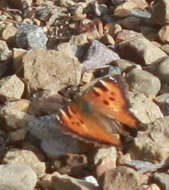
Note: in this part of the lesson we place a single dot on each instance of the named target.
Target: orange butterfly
(86, 117)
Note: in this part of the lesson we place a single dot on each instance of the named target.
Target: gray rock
(162, 179)
(144, 82)
(123, 177)
(162, 70)
(152, 144)
(5, 53)
(144, 109)
(160, 12)
(30, 36)
(140, 50)
(53, 141)
(98, 55)
(26, 157)
(17, 177)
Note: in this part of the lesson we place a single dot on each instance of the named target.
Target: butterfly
(88, 116)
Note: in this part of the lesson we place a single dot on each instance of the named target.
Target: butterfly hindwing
(86, 126)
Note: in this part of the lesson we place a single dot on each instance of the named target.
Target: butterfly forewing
(86, 126)
(108, 97)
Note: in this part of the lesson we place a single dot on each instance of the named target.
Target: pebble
(164, 34)
(17, 177)
(4, 50)
(162, 70)
(30, 36)
(26, 157)
(11, 87)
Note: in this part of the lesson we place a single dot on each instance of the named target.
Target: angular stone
(141, 51)
(50, 70)
(11, 87)
(27, 157)
(144, 109)
(17, 177)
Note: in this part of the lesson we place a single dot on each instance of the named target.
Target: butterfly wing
(86, 126)
(109, 97)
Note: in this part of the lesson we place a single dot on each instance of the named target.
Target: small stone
(144, 82)
(162, 179)
(17, 177)
(163, 101)
(18, 135)
(105, 159)
(124, 9)
(30, 36)
(144, 109)
(160, 12)
(97, 56)
(162, 70)
(57, 181)
(141, 14)
(9, 33)
(91, 179)
(165, 48)
(152, 144)
(141, 51)
(164, 34)
(5, 53)
(27, 157)
(125, 65)
(124, 35)
(100, 9)
(130, 22)
(20, 4)
(16, 116)
(11, 87)
(123, 177)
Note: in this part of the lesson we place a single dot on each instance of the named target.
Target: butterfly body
(89, 115)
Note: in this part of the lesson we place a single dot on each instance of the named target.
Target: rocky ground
(47, 46)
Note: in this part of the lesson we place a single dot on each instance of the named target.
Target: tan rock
(144, 82)
(123, 177)
(105, 159)
(141, 51)
(152, 144)
(17, 58)
(124, 9)
(50, 70)
(164, 34)
(14, 156)
(8, 33)
(11, 87)
(57, 181)
(144, 109)
(16, 115)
